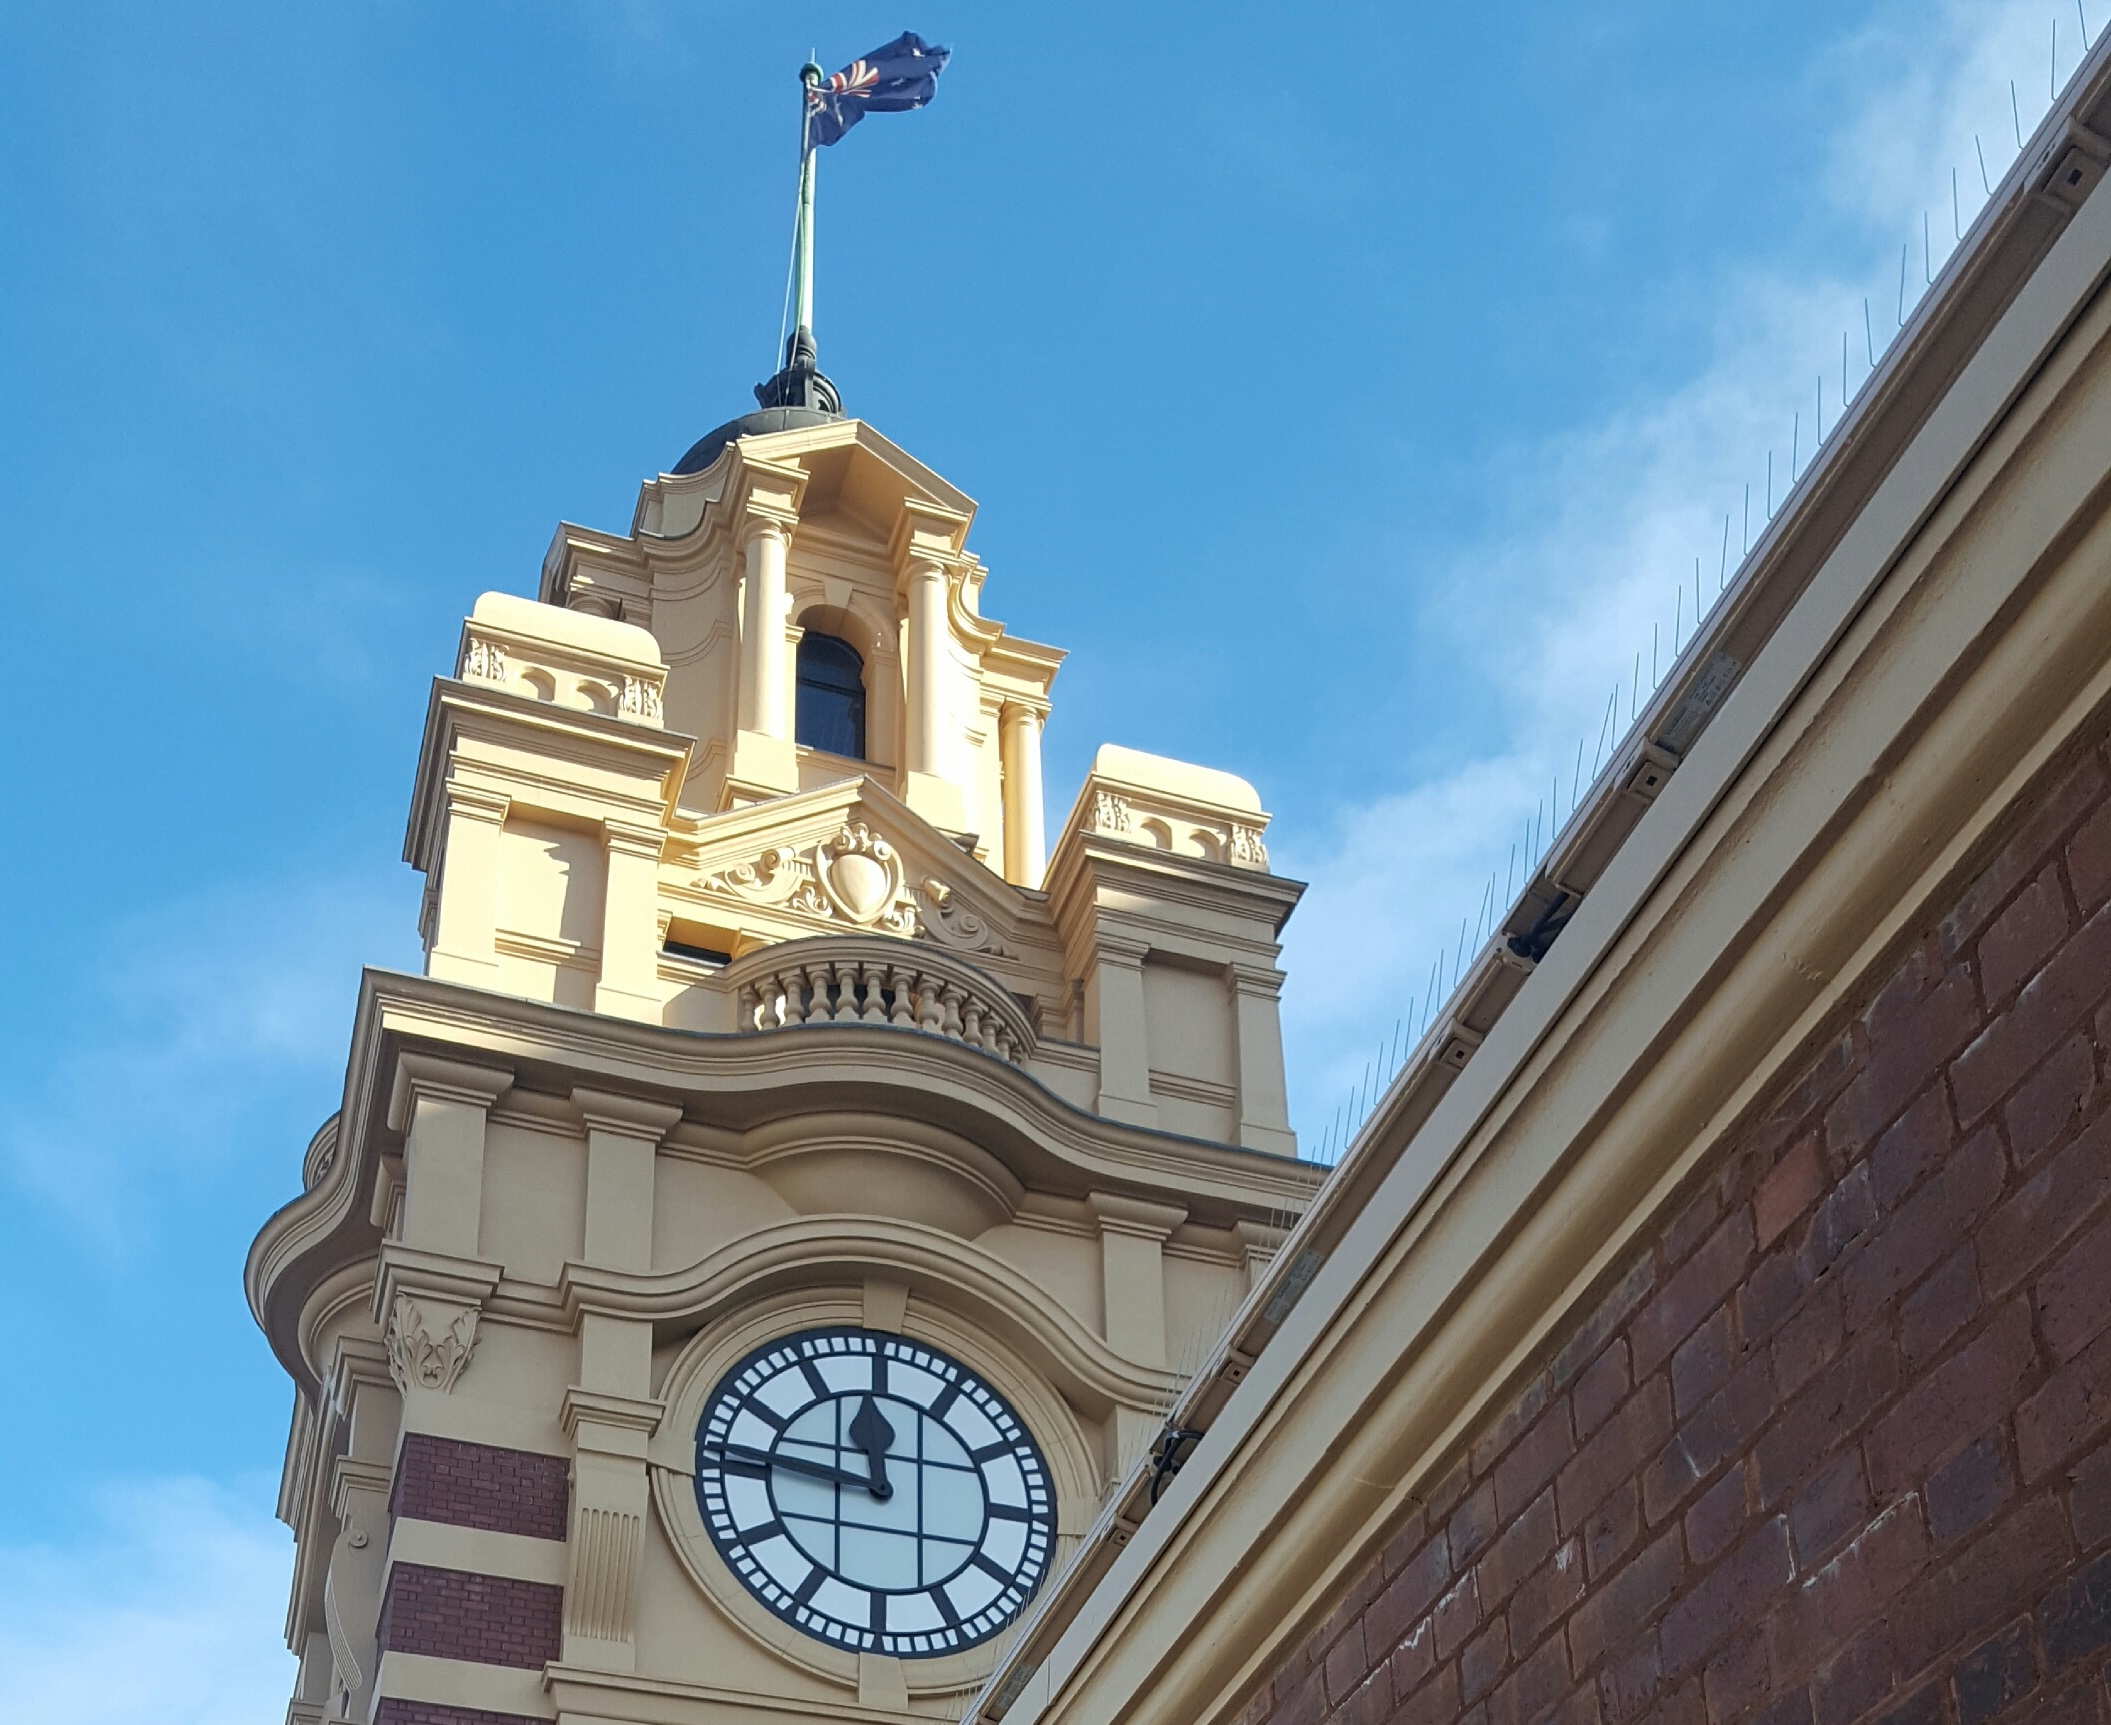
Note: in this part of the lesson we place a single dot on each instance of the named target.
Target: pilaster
(1264, 1095)
(465, 925)
(630, 921)
(1132, 1236)
(1115, 1019)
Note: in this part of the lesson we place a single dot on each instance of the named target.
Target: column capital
(1137, 1217)
(628, 1116)
(1260, 979)
(609, 1424)
(759, 521)
(476, 802)
(422, 1075)
(634, 838)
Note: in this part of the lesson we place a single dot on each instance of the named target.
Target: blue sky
(1350, 389)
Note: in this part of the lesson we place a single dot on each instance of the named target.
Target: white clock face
(874, 1492)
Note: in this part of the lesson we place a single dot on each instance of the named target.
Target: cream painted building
(745, 1259)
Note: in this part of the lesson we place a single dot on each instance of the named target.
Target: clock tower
(786, 1202)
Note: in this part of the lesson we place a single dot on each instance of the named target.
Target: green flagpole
(799, 383)
(803, 242)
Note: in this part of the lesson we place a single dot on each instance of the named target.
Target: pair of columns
(765, 667)
(766, 696)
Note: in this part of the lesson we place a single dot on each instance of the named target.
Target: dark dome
(706, 448)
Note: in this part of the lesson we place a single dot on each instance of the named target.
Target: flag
(889, 80)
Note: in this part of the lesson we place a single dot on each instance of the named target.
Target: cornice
(824, 1251)
(739, 1082)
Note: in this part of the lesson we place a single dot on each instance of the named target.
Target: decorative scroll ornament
(1110, 813)
(948, 921)
(1247, 850)
(417, 1356)
(855, 877)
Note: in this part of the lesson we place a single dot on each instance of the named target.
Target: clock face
(874, 1492)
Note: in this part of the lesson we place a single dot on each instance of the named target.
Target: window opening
(831, 712)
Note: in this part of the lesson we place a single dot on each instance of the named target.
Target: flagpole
(803, 243)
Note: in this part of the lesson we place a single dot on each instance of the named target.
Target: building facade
(747, 1256)
(1713, 1323)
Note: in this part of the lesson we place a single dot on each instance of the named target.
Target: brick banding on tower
(481, 1486)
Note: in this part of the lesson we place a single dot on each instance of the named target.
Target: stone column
(764, 675)
(1264, 1096)
(1025, 817)
(924, 728)
(609, 1413)
(465, 925)
(629, 986)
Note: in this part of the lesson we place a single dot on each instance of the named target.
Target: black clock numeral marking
(870, 1444)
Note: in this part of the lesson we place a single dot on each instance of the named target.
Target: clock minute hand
(872, 1434)
(793, 1464)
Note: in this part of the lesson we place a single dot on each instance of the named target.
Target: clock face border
(829, 1367)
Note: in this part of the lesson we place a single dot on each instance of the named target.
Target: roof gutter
(2029, 213)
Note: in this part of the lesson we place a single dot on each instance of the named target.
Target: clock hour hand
(734, 1452)
(872, 1434)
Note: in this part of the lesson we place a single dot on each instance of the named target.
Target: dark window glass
(831, 696)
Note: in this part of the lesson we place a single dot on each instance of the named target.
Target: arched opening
(831, 713)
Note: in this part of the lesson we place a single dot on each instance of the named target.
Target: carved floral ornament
(417, 1356)
(631, 697)
(857, 878)
(1115, 816)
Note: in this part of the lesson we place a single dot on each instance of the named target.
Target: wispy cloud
(196, 1019)
(166, 1612)
(1593, 578)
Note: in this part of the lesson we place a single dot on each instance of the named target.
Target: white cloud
(1553, 610)
(167, 1613)
(194, 1017)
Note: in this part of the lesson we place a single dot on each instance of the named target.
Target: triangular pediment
(847, 858)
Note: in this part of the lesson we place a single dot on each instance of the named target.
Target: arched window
(831, 696)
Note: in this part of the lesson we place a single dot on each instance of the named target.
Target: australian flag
(889, 80)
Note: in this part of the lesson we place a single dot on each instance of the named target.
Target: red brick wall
(1837, 1446)
(393, 1710)
(480, 1485)
(490, 1619)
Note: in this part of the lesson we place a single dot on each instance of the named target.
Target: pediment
(846, 858)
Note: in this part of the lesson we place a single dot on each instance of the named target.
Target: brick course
(480, 1485)
(488, 1619)
(1835, 1447)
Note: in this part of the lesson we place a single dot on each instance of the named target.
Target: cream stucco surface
(722, 1036)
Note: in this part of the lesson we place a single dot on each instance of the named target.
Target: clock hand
(793, 1464)
(872, 1434)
